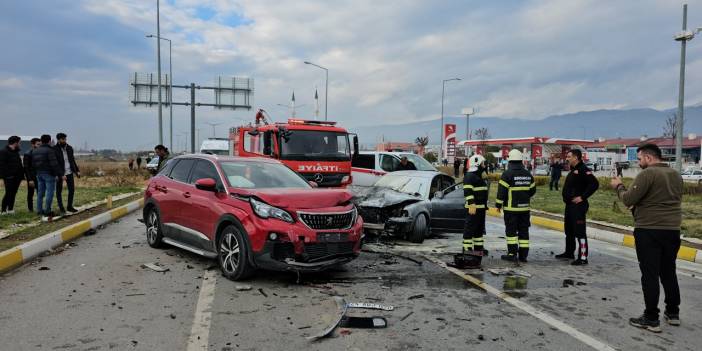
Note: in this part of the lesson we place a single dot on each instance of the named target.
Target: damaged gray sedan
(412, 204)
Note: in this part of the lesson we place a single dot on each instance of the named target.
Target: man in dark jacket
(69, 168)
(456, 166)
(406, 165)
(579, 185)
(556, 169)
(11, 172)
(475, 190)
(30, 175)
(47, 168)
(514, 194)
(163, 157)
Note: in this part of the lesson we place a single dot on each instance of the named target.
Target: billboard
(449, 142)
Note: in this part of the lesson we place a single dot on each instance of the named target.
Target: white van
(368, 166)
(215, 146)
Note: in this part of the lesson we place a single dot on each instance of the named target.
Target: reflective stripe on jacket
(515, 189)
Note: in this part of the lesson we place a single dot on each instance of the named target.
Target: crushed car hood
(381, 197)
(301, 198)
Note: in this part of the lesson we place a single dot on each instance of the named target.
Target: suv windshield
(419, 162)
(253, 175)
(315, 145)
(404, 184)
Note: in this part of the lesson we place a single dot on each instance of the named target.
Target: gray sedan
(411, 204)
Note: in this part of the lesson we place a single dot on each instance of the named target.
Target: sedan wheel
(233, 254)
(420, 229)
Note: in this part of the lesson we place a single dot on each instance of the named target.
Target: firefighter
(579, 185)
(514, 194)
(475, 190)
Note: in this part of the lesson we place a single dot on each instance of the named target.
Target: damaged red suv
(250, 213)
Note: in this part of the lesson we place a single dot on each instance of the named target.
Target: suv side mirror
(439, 194)
(207, 184)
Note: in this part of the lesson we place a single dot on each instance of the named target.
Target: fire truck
(320, 151)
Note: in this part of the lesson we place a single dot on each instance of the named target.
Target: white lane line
(544, 317)
(200, 332)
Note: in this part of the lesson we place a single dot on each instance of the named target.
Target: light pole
(468, 111)
(213, 125)
(291, 107)
(326, 87)
(443, 90)
(683, 37)
(158, 59)
(170, 89)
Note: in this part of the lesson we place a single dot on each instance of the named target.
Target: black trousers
(70, 184)
(575, 226)
(554, 183)
(517, 232)
(474, 229)
(11, 187)
(656, 251)
(30, 194)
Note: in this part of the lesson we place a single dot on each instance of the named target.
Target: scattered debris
(344, 332)
(406, 316)
(44, 268)
(262, 292)
(420, 296)
(580, 283)
(481, 337)
(341, 311)
(394, 254)
(155, 267)
(370, 306)
(140, 294)
(189, 266)
(509, 271)
(364, 322)
(305, 327)
(568, 282)
(173, 316)
(90, 231)
(140, 220)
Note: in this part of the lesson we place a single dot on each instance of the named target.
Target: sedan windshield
(405, 184)
(315, 145)
(253, 175)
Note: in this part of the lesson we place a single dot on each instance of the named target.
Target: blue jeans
(45, 187)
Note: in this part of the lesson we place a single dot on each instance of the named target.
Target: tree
(421, 142)
(670, 129)
(482, 134)
(431, 157)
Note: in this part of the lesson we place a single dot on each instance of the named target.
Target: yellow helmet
(515, 155)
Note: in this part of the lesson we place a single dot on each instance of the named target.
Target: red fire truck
(319, 150)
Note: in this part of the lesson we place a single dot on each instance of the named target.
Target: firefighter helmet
(515, 155)
(475, 161)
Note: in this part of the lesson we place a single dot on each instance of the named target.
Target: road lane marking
(544, 317)
(200, 332)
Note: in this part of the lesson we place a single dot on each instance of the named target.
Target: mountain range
(631, 123)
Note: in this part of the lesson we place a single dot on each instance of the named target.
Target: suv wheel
(419, 229)
(233, 254)
(154, 234)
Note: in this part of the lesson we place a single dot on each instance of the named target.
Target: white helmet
(515, 155)
(474, 162)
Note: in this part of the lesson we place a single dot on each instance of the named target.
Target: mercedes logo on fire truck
(318, 178)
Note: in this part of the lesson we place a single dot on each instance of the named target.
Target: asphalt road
(96, 296)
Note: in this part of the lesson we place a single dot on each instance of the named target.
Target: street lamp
(158, 60)
(443, 90)
(326, 88)
(683, 37)
(468, 111)
(170, 91)
(213, 125)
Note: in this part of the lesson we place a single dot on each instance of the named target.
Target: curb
(24, 253)
(685, 253)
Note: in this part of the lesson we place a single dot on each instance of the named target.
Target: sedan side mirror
(439, 194)
(207, 184)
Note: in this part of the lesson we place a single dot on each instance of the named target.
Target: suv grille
(321, 250)
(321, 221)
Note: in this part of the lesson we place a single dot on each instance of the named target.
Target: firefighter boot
(467, 245)
(512, 248)
(523, 249)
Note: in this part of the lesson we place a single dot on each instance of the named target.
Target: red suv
(250, 213)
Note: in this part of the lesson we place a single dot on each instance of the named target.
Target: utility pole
(158, 59)
(468, 111)
(681, 95)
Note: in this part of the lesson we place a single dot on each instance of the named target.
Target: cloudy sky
(66, 63)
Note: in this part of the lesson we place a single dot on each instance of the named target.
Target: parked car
(369, 166)
(411, 204)
(692, 176)
(153, 164)
(542, 170)
(250, 213)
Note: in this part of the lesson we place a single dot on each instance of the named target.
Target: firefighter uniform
(583, 183)
(514, 194)
(475, 190)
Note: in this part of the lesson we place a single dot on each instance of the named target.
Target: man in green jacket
(655, 200)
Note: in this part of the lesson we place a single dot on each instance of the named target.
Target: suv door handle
(162, 188)
(186, 194)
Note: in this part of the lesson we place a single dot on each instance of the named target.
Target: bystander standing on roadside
(11, 172)
(138, 161)
(163, 156)
(556, 170)
(655, 199)
(456, 166)
(131, 164)
(620, 169)
(30, 175)
(47, 168)
(69, 167)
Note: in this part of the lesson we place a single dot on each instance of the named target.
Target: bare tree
(482, 134)
(421, 142)
(670, 128)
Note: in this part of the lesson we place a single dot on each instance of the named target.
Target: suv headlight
(265, 210)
